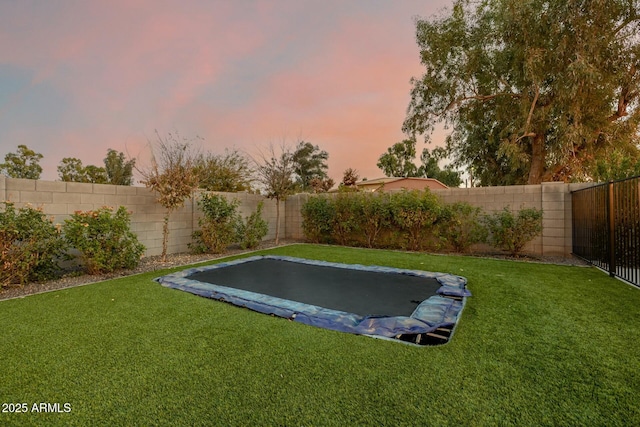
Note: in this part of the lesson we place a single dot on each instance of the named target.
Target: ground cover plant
(251, 230)
(537, 345)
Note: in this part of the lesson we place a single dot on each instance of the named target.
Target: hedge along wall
(61, 199)
(554, 198)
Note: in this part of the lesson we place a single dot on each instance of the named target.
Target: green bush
(344, 224)
(317, 218)
(218, 225)
(252, 230)
(462, 226)
(400, 220)
(373, 215)
(104, 239)
(30, 245)
(414, 215)
(511, 232)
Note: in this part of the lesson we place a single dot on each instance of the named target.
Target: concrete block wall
(60, 200)
(294, 216)
(494, 199)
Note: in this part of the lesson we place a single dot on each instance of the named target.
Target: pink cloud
(237, 74)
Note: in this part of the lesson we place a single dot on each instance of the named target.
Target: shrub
(104, 239)
(414, 214)
(317, 218)
(463, 226)
(373, 216)
(510, 232)
(344, 223)
(217, 225)
(30, 245)
(252, 230)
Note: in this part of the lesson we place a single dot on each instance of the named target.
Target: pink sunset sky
(77, 78)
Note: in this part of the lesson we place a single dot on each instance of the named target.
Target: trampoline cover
(441, 310)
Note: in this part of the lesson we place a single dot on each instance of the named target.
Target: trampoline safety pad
(413, 306)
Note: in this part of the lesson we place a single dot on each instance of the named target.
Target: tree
(25, 163)
(398, 160)
(71, 169)
(533, 90)
(349, 178)
(275, 173)
(617, 165)
(172, 175)
(431, 169)
(118, 170)
(309, 163)
(95, 174)
(320, 185)
(230, 172)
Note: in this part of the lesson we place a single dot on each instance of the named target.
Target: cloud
(90, 76)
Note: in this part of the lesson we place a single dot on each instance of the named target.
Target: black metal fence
(606, 227)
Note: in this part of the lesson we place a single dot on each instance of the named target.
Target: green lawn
(537, 345)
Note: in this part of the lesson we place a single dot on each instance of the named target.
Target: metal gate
(606, 227)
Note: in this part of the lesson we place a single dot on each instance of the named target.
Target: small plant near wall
(104, 239)
(30, 245)
(217, 225)
(462, 226)
(511, 232)
(251, 230)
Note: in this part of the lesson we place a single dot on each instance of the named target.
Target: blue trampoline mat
(411, 305)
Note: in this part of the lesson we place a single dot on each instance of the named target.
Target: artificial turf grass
(537, 344)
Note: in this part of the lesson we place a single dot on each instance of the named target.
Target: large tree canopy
(398, 162)
(309, 163)
(532, 90)
(71, 169)
(118, 170)
(25, 163)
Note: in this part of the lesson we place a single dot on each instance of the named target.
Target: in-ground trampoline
(413, 306)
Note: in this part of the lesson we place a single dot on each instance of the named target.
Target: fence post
(612, 228)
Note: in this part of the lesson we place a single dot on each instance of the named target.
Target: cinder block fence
(61, 199)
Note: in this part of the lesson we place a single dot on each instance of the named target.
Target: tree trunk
(165, 236)
(277, 220)
(538, 154)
